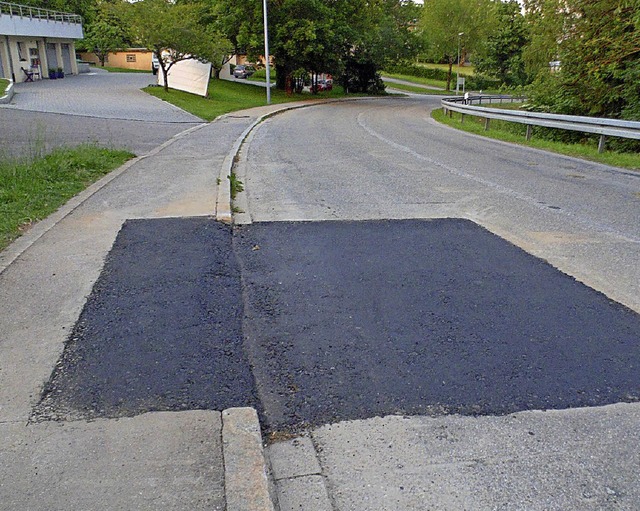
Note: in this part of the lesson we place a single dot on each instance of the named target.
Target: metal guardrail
(596, 125)
(38, 13)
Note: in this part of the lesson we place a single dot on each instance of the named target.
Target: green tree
(104, 34)
(341, 37)
(443, 20)
(174, 33)
(599, 51)
(501, 57)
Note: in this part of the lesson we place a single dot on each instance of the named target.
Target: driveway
(108, 109)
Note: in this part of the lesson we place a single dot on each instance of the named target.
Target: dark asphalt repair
(161, 330)
(342, 320)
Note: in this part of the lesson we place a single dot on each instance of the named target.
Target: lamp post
(458, 73)
(266, 51)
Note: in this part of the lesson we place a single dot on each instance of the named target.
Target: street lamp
(458, 73)
(266, 51)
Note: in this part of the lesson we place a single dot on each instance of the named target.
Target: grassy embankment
(515, 133)
(418, 80)
(30, 190)
(3, 86)
(226, 96)
(121, 69)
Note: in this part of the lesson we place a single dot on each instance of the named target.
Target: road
(416, 353)
(387, 159)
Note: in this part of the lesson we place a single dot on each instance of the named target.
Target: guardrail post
(528, 132)
(486, 124)
(461, 118)
(601, 143)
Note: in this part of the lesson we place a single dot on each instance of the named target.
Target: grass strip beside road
(417, 79)
(510, 132)
(226, 96)
(122, 69)
(417, 89)
(32, 190)
(4, 83)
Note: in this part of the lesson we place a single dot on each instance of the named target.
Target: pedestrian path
(160, 460)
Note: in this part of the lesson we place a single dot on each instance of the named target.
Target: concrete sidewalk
(162, 460)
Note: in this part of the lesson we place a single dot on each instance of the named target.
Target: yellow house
(131, 58)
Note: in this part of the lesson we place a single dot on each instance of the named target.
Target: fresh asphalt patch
(357, 319)
(333, 321)
(161, 330)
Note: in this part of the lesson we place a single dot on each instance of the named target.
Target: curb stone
(246, 484)
(224, 208)
(8, 96)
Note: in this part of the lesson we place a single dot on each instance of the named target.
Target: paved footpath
(108, 109)
(161, 460)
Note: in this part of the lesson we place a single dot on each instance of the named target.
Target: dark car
(243, 71)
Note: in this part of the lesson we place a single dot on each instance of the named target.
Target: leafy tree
(442, 22)
(599, 51)
(501, 56)
(104, 35)
(351, 38)
(174, 33)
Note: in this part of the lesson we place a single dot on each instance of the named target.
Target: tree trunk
(449, 75)
(165, 74)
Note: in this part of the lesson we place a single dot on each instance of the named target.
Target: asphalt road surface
(342, 321)
(381, 159)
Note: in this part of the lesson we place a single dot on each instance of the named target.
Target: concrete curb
(224, 210)
(8, 95)
(246, 484)
(20, 245)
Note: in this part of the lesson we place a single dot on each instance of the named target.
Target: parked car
(243, 71)
(322, 85)
(155, 64)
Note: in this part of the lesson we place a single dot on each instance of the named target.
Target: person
(466, 98)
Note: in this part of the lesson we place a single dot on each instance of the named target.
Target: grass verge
(465, 70)
(30, 191)
(514, 133)
(417, 89)
(417, 79)
(226, 96)
(4, 83)
(122, 69)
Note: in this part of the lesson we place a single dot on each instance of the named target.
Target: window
(21, 52)
(131, 57)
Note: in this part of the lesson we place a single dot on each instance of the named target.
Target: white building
(34, 40)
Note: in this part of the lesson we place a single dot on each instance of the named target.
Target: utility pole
(266, 51)
(458, 73)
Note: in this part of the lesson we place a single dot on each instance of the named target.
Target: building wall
(127, 59)
(39, 54)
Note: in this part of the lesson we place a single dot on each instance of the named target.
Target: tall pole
(266, 51)
(458, 73)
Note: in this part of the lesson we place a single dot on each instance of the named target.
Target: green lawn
(515, 133)
(226, 96)
(467, 70)
(419, 80)
(30, 191)
(3, 86)
(418, 90)
(122, 69)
